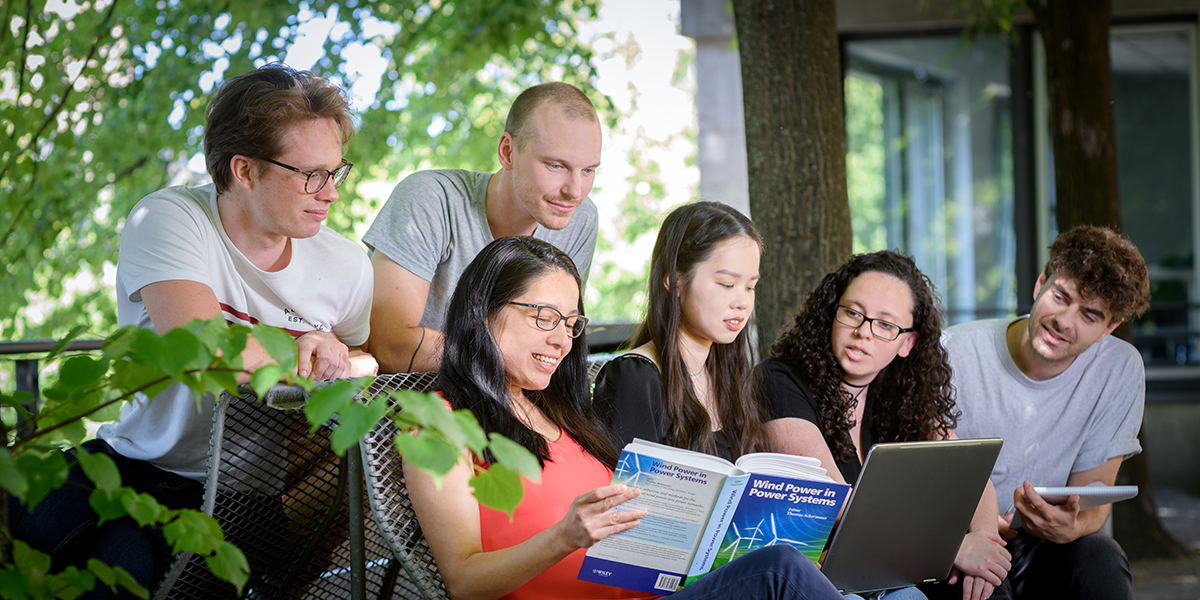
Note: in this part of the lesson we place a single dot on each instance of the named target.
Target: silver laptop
(908, 513)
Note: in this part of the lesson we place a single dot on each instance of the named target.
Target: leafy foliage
(204, 356)
(103, 103)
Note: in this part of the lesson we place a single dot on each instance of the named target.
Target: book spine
(718, 522)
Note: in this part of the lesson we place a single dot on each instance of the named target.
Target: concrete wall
(722, 135)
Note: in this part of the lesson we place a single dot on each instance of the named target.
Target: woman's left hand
(982, 559)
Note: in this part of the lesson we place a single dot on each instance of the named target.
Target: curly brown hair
(912, 397)
(1104, 265)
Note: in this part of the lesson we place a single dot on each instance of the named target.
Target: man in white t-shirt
(435, 222)
(1067, 399)
(251, 247)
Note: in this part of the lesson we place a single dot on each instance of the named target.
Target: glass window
(1154, 113)
(929, 163)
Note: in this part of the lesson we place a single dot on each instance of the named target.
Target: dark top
(629, 399)
(785, 393)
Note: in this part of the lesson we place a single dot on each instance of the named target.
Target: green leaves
(355, 419)
(354, 422)
(229, 564)
(194, 531)
(81, 372)
(138, 363)
(279, 346)
(429, 453)
(43, 472)
(520, 460)
(433, 439)
(498, 487)
(11, 478)
(265, 377)
(142, 507)
(460, 65)
(327, 401)
(29, 577)
(116, 576)
(107, 505)
(100, 468)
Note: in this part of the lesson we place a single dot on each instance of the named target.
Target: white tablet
(1089, 495)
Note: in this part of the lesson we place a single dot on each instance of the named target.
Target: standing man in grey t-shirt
(435, 222)
(1067, 399)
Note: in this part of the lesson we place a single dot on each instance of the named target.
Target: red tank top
(570, 472)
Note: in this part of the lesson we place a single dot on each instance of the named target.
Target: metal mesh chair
(388, 493)
(595, 363)
(280, 496)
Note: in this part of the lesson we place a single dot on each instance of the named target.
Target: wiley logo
(602, 573)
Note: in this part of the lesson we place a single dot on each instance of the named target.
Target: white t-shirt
(1073, 422)
(176, 234)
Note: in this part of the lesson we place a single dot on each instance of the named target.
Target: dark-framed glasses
(548, 317)
(317, 178)
(884, 330)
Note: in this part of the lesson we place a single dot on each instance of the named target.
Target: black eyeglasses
(317, 178)
(884, 330)
(548, 318)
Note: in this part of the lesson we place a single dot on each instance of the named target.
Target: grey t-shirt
(1073, 422)
(435, 223)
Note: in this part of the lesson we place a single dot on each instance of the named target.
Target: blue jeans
(908, 593)
(63, 524)
(776, 572)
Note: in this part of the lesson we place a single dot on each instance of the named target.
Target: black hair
(472, 374)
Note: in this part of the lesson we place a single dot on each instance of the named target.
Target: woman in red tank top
(516, 357)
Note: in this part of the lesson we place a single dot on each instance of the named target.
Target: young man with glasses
(1067, 399)
(435, 222)
(250, 248)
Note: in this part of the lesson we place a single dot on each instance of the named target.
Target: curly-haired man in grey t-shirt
(435, 222)
(1067, 399)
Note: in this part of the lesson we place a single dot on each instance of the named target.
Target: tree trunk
(795, 149)
(1079, 74)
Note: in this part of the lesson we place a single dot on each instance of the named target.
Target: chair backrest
(279, 495)
(388, 493)
(595, 363)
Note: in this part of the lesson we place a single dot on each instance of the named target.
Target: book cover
(701, 518)
(655, 556)
(776, 510)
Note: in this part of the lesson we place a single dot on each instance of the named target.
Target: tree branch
(7, 19)
(39, 433)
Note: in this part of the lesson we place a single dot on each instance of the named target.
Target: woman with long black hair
(515, 356)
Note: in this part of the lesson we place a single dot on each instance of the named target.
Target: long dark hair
(912, 397)
(472, 375)
(686, 239)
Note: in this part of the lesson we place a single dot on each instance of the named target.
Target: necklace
(860, 388)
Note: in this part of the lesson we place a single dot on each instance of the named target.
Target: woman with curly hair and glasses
(863, 363)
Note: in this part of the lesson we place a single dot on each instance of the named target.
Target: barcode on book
(668, 583)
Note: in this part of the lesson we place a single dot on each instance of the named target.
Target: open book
(706, 511)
